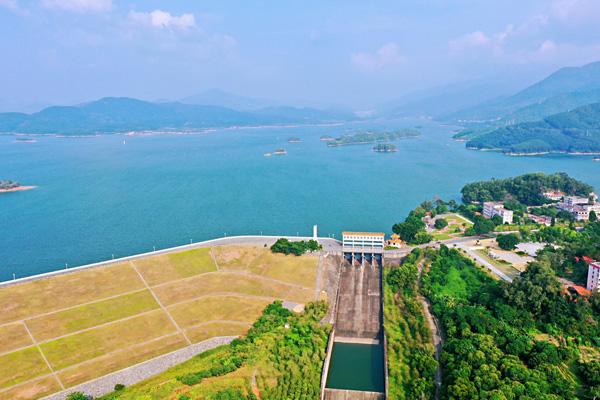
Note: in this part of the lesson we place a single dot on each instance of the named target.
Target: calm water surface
(356, 367)
(98, 197)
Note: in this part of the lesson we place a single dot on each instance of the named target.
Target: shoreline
(17, 189)
(238, 240)
(536, 153)
(166, 131)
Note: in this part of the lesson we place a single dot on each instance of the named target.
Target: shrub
(77, 396)
(508, 242)
(119, 386)
(441, 223)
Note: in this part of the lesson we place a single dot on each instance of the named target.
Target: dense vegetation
(373, 137)
(566, 257)
(297, 248)
(411, 362)
(285, 350)
(527, 189)
(491, 350)
(572, 132)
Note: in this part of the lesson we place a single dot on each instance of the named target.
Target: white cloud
(386, 55)
(547, 47)
(79, 5)
(473, 39)
(163, 19)
(10, 4)
(576, 10)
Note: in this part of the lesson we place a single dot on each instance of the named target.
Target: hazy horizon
(302, 53)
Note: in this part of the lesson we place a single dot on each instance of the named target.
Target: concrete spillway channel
(355, 363)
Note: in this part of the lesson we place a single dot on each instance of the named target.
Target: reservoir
(97, 197)
(356, 367)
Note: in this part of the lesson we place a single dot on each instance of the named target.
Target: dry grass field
(71, 328)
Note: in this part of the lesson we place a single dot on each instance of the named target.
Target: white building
(555, 195)
(363, 241)
(581, 207)
(491, 208)
(593, 280)
(571, 201)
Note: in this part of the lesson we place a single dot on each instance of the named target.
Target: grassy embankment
(92, 322)
(280, 358)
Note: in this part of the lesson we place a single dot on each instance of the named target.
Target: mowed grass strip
(32, 390)
(170, 267)
(215, 308)
(120, 359)
(62, 291)
(13, 336)
(213, 329)
(96, 342)
(236, 257)
(20, 366)
(229, 282)
(297, 270)
(87, 316)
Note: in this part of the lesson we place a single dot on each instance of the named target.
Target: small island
(327, 138)
(369, 137)
(294, 140)
(596, 159)
(385, 148)
(12, 186)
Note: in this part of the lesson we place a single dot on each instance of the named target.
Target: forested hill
(527, 189)
(120, 114)
(571, 132)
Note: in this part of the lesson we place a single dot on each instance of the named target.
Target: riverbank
(532, 153)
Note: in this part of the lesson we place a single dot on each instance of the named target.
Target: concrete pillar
(315, 235)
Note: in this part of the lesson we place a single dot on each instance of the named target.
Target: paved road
(485, 263)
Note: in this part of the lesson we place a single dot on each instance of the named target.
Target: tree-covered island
(369, 137)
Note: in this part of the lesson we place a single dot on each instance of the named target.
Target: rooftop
(363, 234)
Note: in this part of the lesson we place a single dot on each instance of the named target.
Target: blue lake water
(98, 197)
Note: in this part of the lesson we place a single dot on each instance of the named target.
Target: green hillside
(576, 131)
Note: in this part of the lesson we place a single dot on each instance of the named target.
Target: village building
(394, 241)
(540, 219)
(555, 195)
(490, 209)
(593, 278)
(581, 207)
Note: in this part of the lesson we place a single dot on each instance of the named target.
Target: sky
(352, 53)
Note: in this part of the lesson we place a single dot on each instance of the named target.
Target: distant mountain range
(442, 101)
(121, 114)
(564, 90)
(576, 131)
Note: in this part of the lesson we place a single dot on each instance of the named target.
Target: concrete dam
(355, 367)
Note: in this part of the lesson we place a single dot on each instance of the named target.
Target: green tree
(593, 216)
(508, 242)
(440, 223)
(483, 226)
